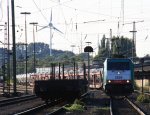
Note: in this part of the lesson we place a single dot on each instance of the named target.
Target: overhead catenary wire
(44, 15)
(1, 8)
(40, 10)
(68, 20)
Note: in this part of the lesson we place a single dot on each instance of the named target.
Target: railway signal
(88, 49)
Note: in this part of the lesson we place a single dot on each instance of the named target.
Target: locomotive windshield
(118, 66)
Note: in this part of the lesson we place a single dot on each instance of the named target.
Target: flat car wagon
(65, 88)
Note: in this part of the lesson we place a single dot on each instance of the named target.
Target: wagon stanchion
(51, 71)
(63, 70)
(54, 71)
(84, 70)
(142, 62)
(74, 64)
(59, 72)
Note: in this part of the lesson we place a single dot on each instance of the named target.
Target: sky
(80, 21)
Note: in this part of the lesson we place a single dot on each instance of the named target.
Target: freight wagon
(64, 88)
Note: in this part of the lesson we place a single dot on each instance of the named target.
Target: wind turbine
(51, 26)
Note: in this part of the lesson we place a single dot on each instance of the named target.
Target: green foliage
(105, 108)
(76, 106)
(119, 46)
(77, 101)
(42, 57)
(103, 42)
(102, 108)
(143, 98)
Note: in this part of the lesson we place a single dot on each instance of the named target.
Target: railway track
(52, 108)
(14, 105)
(14, 100)
(123, 106)
(119, 106)
(144, 106)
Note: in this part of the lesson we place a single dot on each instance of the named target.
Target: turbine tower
(51, 26)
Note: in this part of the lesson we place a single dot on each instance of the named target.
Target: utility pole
(72, 47)
(110, 41)
(82, 42)
(122, 7)
(8, 50)
(14, 46)
(4, 56)
(26, 13)
(134, 40)
(34, 23)
(134, 37)
(5, 52)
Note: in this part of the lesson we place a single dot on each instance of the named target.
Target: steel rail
(135, 107)
(61, 109)
(5, 102)
(37, 108)
(40, 107)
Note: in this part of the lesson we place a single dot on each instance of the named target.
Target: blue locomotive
(118, 76)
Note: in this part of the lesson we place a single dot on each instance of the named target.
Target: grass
(76, 106)
(102, 108)
(143, 98)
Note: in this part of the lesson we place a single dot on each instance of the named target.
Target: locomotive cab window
(118, 66)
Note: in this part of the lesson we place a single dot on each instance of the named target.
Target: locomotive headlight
(109, 81)
(128, 81)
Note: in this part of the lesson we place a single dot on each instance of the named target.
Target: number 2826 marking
(118, 77)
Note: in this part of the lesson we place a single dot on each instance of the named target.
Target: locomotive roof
(117, 59)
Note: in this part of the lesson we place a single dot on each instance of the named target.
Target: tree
(122, 46)
(119, 46)
(41, 49)
(103, 42)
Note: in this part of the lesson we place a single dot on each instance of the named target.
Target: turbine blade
(85, 37)
(40, 26)
(36, 29)
(57, 30)
(43, 28)
(51, 16)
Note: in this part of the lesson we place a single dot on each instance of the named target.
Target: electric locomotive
(118, 76)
